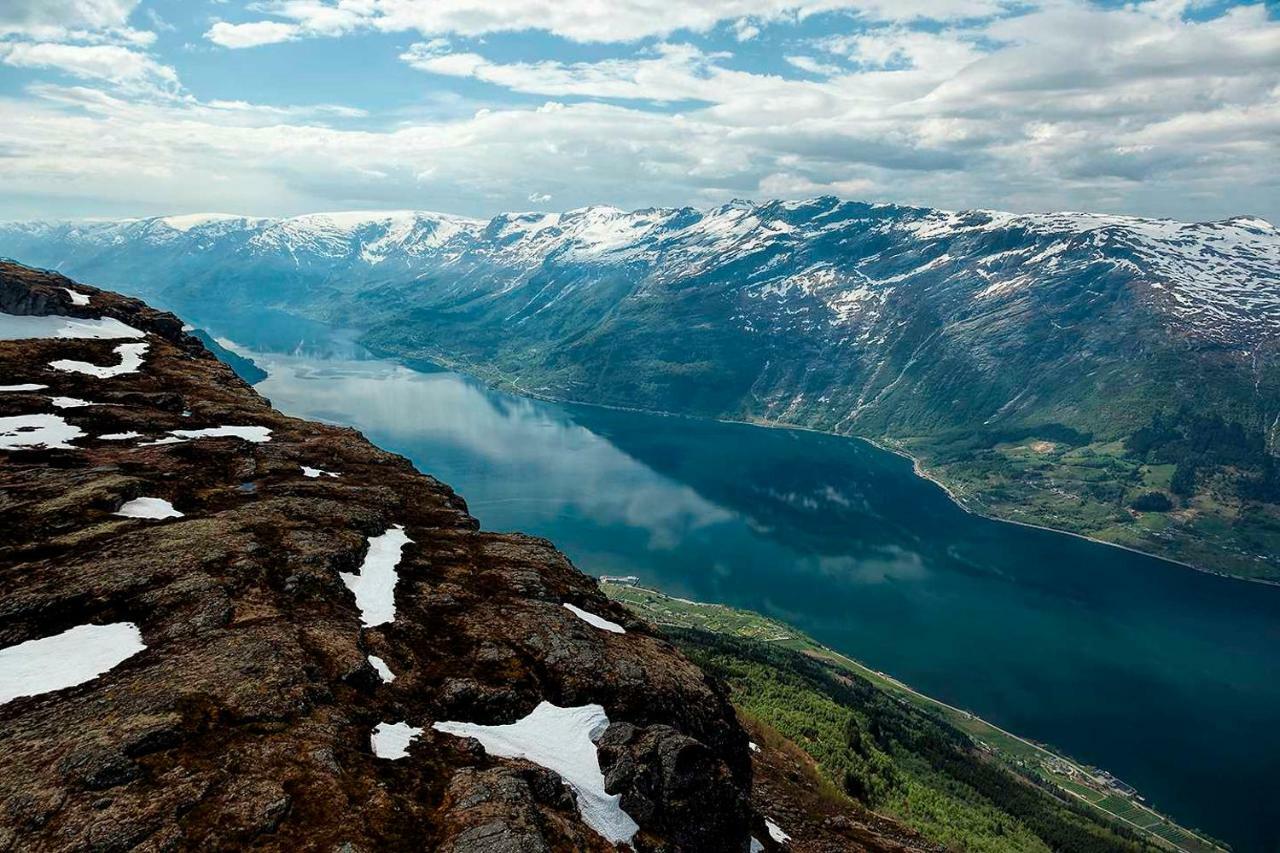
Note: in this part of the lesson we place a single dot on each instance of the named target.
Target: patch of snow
(130, 361)
(375, 585)
(69, 402)
(775, 832)
(120, 436)
(77, 298)
(753, 746)
(17, 327)
(592, 619)
(188, 221)
(148, 508)
(27, 386)
(29, 431)
(756, 846)
(384, 671)
(73, 657)
(308, 471)
(563, 741)
(255, 434)
(391, 740)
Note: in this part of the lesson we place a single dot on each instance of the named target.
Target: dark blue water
(1166, 677)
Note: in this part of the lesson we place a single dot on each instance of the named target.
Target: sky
(112, 108)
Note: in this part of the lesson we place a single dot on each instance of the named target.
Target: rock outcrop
(246, 720)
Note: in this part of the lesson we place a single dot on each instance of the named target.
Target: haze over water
(1167, 677)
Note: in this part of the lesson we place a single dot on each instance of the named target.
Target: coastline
(511, 386)
(803, 642)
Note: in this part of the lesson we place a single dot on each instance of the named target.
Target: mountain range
(1107, 375)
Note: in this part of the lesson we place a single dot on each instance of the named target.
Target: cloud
(112, 63)
(591, 20)
(809, 65)
(251, 35)
(539, 198)
(670, 72)
(1131, 108)
(53, 19)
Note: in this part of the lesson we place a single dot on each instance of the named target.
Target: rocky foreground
(222, 628)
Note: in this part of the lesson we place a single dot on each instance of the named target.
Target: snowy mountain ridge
(1220, 280)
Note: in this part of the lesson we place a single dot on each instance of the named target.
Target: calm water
(1167, 677)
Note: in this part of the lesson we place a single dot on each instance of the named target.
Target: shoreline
(821, 649)
(512, 387)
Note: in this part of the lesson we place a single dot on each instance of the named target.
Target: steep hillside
(225, 628)
(950, 775)
(1111, 376)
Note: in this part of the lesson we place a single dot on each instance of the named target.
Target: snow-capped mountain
(1110, 343)
(828, 262)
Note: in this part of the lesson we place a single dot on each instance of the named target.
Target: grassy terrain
(1092, 488)
(946, 773)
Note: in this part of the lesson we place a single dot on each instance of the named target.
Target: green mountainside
(1109, 376)
(940, 770)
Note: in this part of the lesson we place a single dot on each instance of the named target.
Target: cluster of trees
(1194, 441)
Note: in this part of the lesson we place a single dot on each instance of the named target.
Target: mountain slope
(225, 628)
(1111, 376)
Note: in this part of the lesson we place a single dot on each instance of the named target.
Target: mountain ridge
(1047, 368)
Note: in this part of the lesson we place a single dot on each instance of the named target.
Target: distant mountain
(1108, 375)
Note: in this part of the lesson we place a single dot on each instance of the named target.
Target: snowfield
(391, 740)
(375, 585)
(384, 671)
(592, 619)
(34, 431)
(563, 741)
(64, 660)
(130, 360)
(148, 508)
(16, 327)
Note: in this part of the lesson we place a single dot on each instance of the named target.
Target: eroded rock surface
(246, 720)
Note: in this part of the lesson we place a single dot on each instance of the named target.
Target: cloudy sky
(139, 107)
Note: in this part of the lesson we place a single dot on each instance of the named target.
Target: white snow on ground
(375, 586)
(775, 832)
(148, 508)
(69, 402)
(120, 436)
(592, 619)
(563, 741)
(753, 746)
(36, 431)
(255, 434)
(28, 386)
(308, 471)
(756, 846)
(130, 361)
(15, 327)
(384, 671)
(64, 660)
(391, 740)
(76, 297)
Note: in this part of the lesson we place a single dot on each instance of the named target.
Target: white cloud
(112, 63)
(53, 19)
(591, 20)
(251, 35)
(672, 72)
(1128, 108)
(539, 198)
(812, 66)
